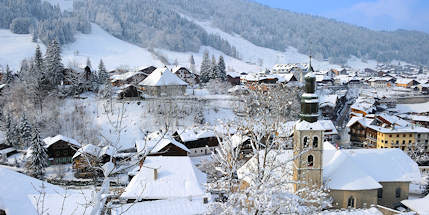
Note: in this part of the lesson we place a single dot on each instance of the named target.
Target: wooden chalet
(233, 78)
(128, 91)
(169, 147)
(186, 75)
(60, 149)
(198, 141)
(84, 161)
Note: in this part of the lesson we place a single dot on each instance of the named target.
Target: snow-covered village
(188, 107)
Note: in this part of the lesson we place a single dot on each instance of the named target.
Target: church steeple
(309, 100)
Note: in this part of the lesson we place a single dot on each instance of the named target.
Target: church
(355, 178)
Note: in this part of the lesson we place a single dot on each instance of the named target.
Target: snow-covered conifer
(222, 68)
(54, 66)
(103, 76)
(38, 158)
(25, 132)
(205, 68)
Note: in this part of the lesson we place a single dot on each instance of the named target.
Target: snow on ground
(15, 47)
(99, 44)
(64, 4)
(357, 63)
(230, 62)
(370, 211)
(413, 108)
(137, 119)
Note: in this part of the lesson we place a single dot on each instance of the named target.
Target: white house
(162, 82)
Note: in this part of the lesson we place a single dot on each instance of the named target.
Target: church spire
(309, 100)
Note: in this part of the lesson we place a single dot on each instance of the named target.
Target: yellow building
(404, 138)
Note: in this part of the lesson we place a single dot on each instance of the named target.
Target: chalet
(90, 156)
(128, 78)
(186, 75)
(164, 177)
(258, 79)
(198, 141)
(60, 149)
(162, 82)
(156, 144)
(363, 106)
(147, 70)
(127, 91)
(233, 78)
(286, 78)
(360, 132)
(423, 88)
(381, 82)
(406, 83)
(420, 120)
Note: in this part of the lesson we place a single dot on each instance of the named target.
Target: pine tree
(192, 63)
(214, 70)
(205, 68)
(38, 61)
(9, 76)
(25, 132)
(103, 76)
(54, 66)
(11, 132)
(222, 69)
(38, 159)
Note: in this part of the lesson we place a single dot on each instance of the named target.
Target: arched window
(310, 160)
(398, 192)
(315, 142)
(305, 141)
(351, 202)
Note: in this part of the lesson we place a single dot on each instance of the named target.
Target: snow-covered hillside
(15, 47)
(252, 53)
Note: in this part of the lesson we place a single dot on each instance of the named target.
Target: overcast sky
(374, 14)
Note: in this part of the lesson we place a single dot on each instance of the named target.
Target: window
(310, 160)
(403, 142)
(398, 192)
(305, 142)
(397, 142)
(390, 135)
(397, 135)
(418, 135)
(411, 135)
(404, 135)
(315, 142)
(380, 193)
(351, 202)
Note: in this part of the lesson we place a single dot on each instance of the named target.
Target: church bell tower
(308, 138)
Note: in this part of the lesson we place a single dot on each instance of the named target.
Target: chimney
(155, 174)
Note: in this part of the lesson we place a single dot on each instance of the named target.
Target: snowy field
(16, 47)
(137, 120)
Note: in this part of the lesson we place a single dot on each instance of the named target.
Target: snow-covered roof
(51, 140)
(357, 169)
(2, 85)
(394, 119)
(342, 173)
(403, 81)
(328, 100)
(162, 77)
(362, 120)
(177, 68)
(328, 127)
(420, 118)
(165, 141)
(96, 151)
(176, 178)
(386, 165)
(125, 76)
(321, 125)
(195, 133)
(19, 190)
(284, 77)
(181, 206)
(421, 206)
(304, 125)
